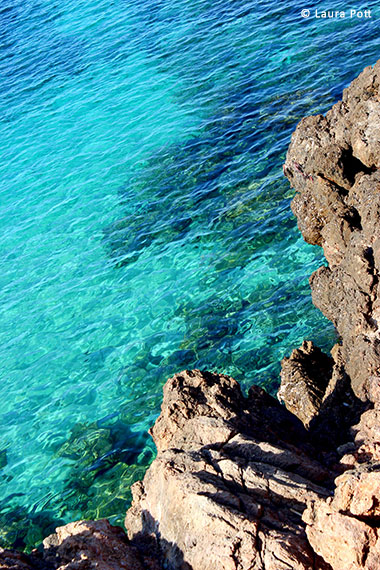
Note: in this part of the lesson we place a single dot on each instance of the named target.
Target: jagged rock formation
(82, 545)
(305, 377)
(230, 481)
(244, 483)
(316, 388)
(332, 163)
(220, 484)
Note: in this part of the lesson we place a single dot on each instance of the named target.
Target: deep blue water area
(145, 225)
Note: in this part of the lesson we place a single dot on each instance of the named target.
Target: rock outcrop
(304, 380)
(332, 163)
(82, 545)
(230, 482)
(239, 478)
(243, 482)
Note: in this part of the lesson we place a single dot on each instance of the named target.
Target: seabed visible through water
(145, 225)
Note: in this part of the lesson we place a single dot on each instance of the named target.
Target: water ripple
(145, 225)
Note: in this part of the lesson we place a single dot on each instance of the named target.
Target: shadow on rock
(167, 553)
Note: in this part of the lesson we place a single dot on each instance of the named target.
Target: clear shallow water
(145, 225)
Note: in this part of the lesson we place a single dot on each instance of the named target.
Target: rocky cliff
(333, 164)
(246, 483)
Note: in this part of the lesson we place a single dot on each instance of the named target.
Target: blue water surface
(145, 225)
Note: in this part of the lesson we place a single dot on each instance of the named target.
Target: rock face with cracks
(230, 482)
(245, 483)
(333, 164)
(239, 478)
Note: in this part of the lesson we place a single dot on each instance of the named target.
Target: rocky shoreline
(245, 483)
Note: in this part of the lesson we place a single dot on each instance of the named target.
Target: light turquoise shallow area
(145, 225)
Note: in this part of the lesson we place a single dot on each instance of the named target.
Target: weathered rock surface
(82, 545)
(332, 163)
(305, 377)
(316, 388)
(230, 482)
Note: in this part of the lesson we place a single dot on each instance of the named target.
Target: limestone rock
(342, 540)
(332, 163)
(216, 488)
(304, 379)
(83, 545)
(344, 528)
(316, 388)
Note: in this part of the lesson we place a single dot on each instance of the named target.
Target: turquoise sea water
(145, 225)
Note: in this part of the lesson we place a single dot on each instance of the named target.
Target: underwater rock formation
(242, 482)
